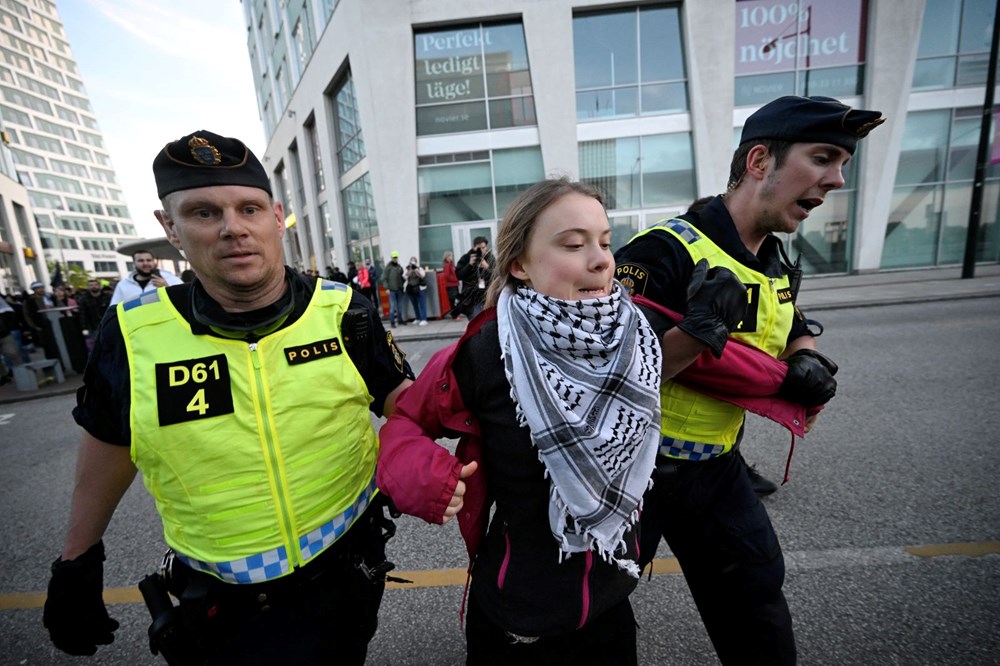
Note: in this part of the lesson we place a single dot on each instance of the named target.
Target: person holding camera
(416, 285)
(474, 270)
(145, 278)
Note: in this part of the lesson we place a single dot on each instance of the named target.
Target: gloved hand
(810, 379)
(717, 302)
(74, 611)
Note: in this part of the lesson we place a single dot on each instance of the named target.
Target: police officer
(243, 398)
(791, 156)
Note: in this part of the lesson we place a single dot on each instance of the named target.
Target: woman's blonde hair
(518, 223)
(446, 256)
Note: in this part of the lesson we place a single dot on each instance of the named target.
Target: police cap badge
(205, 159)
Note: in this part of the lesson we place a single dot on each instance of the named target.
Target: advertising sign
(782, 35)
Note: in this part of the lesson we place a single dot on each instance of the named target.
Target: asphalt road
(890, 524)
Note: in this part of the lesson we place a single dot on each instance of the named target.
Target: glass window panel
(458, 193)
(921, 159)
(434, 242)
(762, 88)
(661, 54)
(963, 148)
(988, 243)
(604, 49)
(835, 81)
(514, 112)
(623, 228)
(613, 103)
(977, 25)
(458, 78)
(506, 59)
(912, 231)
(464, 117)
(614, 167)
(823, 238)
(667, 170)
(939, 30)
(972, 70)
(514, 171)
(664, 97)
(954, 222)
(934, 73)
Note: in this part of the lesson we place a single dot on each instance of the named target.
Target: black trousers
(723, 539)
(324, 613)
(605, 640)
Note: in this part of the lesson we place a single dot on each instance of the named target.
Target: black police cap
(205, 159)
(811, 120)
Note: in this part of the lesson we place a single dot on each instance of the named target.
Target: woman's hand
(457, 499)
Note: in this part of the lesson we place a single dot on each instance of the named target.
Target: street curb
(898, 300)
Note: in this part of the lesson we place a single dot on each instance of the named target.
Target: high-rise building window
(350, 141)
(360, 219)
(317, 157)
(467, 188)
(930, 205)
(798, 47)
(629, 63)
(648, 172)
(954, 44)
(473, 78)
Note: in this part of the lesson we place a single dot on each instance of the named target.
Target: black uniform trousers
(724, 542)
(605, 640)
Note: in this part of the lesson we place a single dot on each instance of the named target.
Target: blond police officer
(243, 400)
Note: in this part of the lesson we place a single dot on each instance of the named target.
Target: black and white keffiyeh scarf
(585, 380)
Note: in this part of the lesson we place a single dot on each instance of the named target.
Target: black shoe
(761, 486)
(7, 379)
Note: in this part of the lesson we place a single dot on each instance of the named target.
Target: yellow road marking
(456, 577)
(975, 549)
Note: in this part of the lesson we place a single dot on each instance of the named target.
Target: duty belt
(275, 562)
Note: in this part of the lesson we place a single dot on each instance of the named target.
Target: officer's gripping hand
(717, 302)
(74, 611)
(810, 379)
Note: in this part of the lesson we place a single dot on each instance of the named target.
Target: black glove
(810, 379)
(74, 611)
(717, 303)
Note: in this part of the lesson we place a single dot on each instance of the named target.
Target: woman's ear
(518, 271)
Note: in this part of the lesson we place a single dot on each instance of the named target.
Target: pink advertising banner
(781, 35)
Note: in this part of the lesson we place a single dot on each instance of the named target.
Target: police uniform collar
(715, 222)
(208, 316)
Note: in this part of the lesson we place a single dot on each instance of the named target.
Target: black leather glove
(717, 303)
(810, 379)
(74, 611)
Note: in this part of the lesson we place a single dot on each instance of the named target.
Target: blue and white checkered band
(680, 448)
(684, 230)
(330, 284)
(275, 563)
(149, 297)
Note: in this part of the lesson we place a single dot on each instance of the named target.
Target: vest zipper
(772, 314)
(294, 556)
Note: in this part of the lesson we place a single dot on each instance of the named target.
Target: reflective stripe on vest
(695, 426)
(248, 449)
(275, 563)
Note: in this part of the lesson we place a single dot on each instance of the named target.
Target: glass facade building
(423, 127)
(56, 145)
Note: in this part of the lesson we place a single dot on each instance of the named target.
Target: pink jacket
(419, 475)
